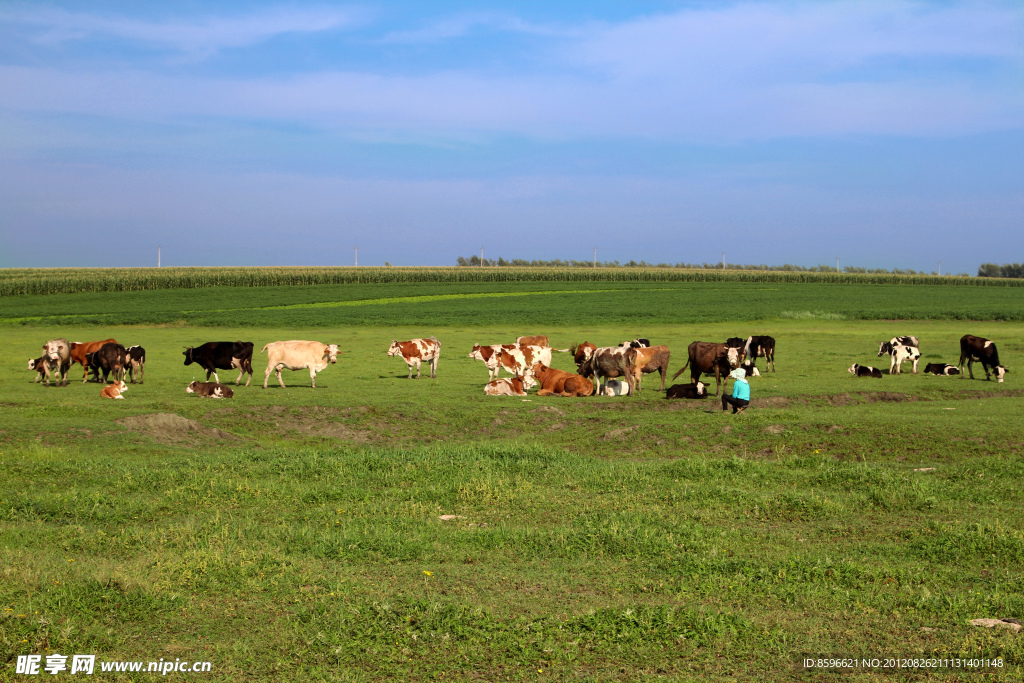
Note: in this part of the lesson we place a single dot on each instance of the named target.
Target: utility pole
(723, 260)
(837, 264)
(940, 267)
(357, 255)
(595, 257)
(158, 256)
(481, 257)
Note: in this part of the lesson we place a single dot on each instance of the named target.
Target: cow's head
(884, 348)
(478, 353)
(120, 386)
(733, 355)
(332, 353)
(191, 388)
(528, 380)
(1000, 372)
(32, 363)
(581, 353)
(702, 389)
(188, 355)
(395, 348)
(54, 349)
(853, 369)
(751, 370)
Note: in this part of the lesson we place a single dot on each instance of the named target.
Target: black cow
(735, 342)
(760, 347)
(111, 357)
(711, 358)
(692, 390)
(980, 349)
(213, 356)
(865, 371)
(941, 369)
(135, 362)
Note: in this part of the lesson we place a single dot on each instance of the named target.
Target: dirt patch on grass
(771, 402)
(774, 429)
(619, 433)
(889, 397)
(171, 427)
(332, 430)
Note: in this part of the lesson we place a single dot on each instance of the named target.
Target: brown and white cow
(515, 359)
(510, 386)
(652, 359)
(57, 353)
(607, 362)
(39, 365)
(298, 355)
(80, 352)
(559, 382)
(710, 358)
(114, 390)
(416, 351)
(980, 349)
(210, 390)
(539, 340)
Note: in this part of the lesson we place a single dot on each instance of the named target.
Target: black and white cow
(899, 354)
(135, 362)
(213, 356)
(908, 340)
(694, 390)
(941, 369)
(864, 371)
(980, 349)
(640, 343)
(761, 346)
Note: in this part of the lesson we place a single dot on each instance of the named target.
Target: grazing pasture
(293, 534)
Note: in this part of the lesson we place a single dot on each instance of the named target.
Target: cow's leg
(916, 360)
(266, 375)
(216, 378)
(970, 367)
(312, 376)
(279, 380)
(433, 368)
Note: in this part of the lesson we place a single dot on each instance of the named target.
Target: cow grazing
(710, 358)
(608, 362)
(210, 390)
(213, 356)
(114, 390)
(57, 354)
(81, 350)
(298, 355)
(538, 340)
(109, 358)
(614, 387)
(510, 386)
(980, 349)
(135, 362)
(559, 382)
(415, 351)
(640, 343)
(761, 346)
(864, 371)
(898, 354)
(692, 390)
(941, 369)
(40, 366)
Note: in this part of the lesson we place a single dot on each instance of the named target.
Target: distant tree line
(1005, 270)
(571, 263)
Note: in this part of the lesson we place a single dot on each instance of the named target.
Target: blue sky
(886, 133)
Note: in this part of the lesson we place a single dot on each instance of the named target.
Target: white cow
(298, 355)
(57, 353)
(900, 353)
(614, 387)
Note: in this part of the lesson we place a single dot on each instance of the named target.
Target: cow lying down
(210, 390)
(691, 390)
(114, 390)
(865, 371)
(560, 383)
(942, 369)
(510, 386)
(614, 387)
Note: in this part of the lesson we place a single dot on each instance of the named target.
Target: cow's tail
(681, 369)
(264, 349)
(561, 350)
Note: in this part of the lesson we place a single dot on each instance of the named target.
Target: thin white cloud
(198, 37)
(464, 25)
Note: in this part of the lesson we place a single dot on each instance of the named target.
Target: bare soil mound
(171, 427)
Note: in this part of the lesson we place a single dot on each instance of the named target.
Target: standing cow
(108, 358)
(415, 351)
(710, 358)
(760, 346)
(980, 349)
(213, 356)
(608, 362)
(135, 362)
(298, 355)
(57, 353)
(80, 354)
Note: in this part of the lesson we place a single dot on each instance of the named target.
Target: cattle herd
(605, 371)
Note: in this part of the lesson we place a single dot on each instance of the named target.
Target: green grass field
(295, 534)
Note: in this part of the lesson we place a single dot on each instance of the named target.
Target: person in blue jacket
(740, 398)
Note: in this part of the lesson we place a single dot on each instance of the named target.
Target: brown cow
(652, 359)
(79, 351)
(710, 357)
(539, 340)
(560, 383)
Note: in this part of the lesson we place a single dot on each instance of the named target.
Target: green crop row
(72, 280)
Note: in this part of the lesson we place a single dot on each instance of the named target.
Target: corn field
(20, 281)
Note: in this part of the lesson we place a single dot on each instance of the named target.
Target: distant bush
(1006, 270)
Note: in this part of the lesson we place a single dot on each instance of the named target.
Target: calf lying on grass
(510, 386)
(691, 390)
(114, 390)
(210, 390)
(942, 369)
(865, 371)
